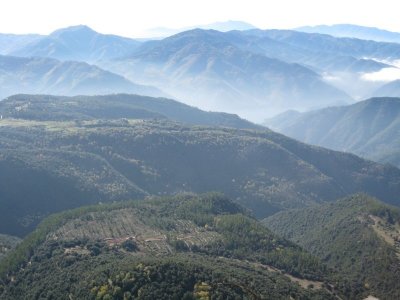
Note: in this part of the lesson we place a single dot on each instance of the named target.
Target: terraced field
(118, 226)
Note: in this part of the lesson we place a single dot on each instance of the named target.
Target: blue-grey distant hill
(162, 32)
(255, 72)
(319, 50)
(76, 43)
(369, 128)
(354, 31)
(251, 72)
(12, 42)
(45, 75)
(390, 89)
(215, 70)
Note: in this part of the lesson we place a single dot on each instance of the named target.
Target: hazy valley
(153, 168)
(254, 73)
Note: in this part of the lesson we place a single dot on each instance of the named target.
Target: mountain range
(368, 128)
(256, 72)
(206, 68)
(354, 31)
(78, 43)
(251, 72)
(162, 32)
(109, 189)
(48, 166)
(44, 75)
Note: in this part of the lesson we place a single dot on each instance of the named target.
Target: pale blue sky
(132, 17)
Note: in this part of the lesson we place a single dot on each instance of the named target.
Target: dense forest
(132, 169)
(138, 162)
(185, 247)
(358, 236)
(7, 244)
(117, 106)
(48, 166)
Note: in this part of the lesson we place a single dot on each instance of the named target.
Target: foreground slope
(186, 247)
(368, 128)
(359, 236)
(106, 160)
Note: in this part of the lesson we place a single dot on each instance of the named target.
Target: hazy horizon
(129, 19)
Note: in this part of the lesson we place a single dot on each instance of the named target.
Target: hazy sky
(131, 17)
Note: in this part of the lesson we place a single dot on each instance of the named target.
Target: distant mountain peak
(222, 26)
(73, 29)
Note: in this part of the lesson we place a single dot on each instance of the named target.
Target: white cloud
(385, 75)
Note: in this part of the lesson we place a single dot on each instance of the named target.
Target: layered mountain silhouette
(322, 53)
(342, 46)
(354, 31)
(251, 72)
(80, 125)
(44, 75)
(204, 68)
(13, 42)
(368, 128)
(162, 32)
(79, 43)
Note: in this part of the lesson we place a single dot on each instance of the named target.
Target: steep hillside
(369, 128)
(106, 160)
(44, 75)
(207, 69)
(79, 43)
(117, 106)
(7, 244)
(358, 236)
(184, 247)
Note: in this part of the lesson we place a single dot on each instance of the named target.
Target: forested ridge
(358, 236)
(50, 166)
(177, 247)
(62, 153)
